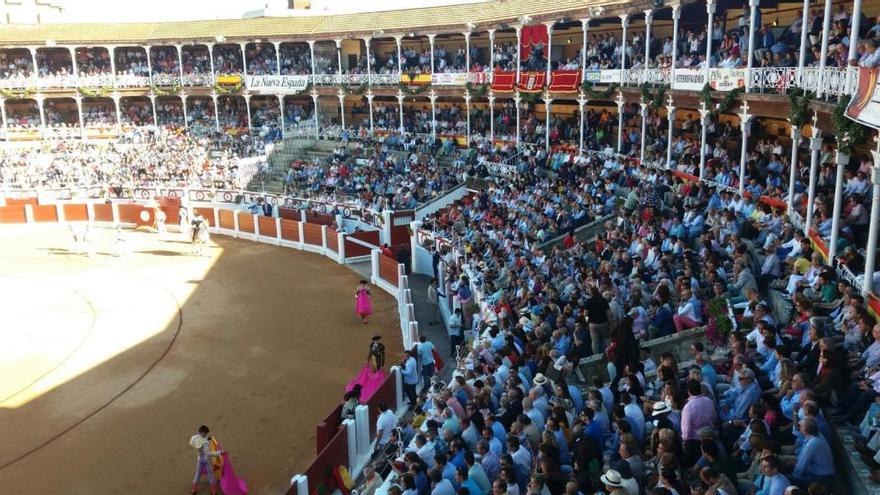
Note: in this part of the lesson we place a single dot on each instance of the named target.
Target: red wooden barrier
(208, 213)
(12, 214)
(333, 455)
(388, 269)
(312, 233)
(332, 240)
(45, 213)
(353, 249)
(290, 230)
(327, 428)
(103, 212)
(289, 214)
(320, 218)
(129, 213)
(267, 227)
(227, 219)
(246, 223)
(75, 212)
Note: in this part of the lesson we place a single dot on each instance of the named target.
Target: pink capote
(363, 306)
(229, 483)
(369, 381)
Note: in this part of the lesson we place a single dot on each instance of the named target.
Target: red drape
(532, 35)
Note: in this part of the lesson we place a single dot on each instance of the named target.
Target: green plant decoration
(849, 132)
(477, 90)
(590, 93)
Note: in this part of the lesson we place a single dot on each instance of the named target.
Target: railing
(96, 81)
(17, 82)
(132, 81)
(374, 79)
(197, 79)
(65, 81)
(166, 79)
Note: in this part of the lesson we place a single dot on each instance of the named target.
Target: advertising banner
(449, 79)
(689, 79)
(272, 84)
(727, 79)
(609, 76)
(864, 107)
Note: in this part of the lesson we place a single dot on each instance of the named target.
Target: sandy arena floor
(108, 365)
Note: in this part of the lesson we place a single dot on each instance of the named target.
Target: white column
(676, 15)
(400, 105)
(3, 115)
(823, 59)
(244, 58)
(398, 39)
(805, 18)
(491, 118)
(855, 20)
(516, 101)
(370, 103)
(281, 108)
(36, 71)
(79, 110)
(433, 98)
(710, 12)
(582, 103)
(670, 117)
(648, 19)
(180, 60)
(644, 114)
(547, 102)
(149, 62)
(111, 50)
(467, 107)
(624, 22)
(815, 148)
(369, 63)
(518, 58)
(491, 50)
(745, 123)
(753, 6)
(620, 104)
(341, 97)
(247, 104)
(431, 43)
(185, 118)
(585, 25)
(467, 51)
(312, 55)
(216, 110)
(40, 104)
(704, 123)
(277, 45)
(213, 71)
(792, 176)
(874, 222)
(842, 161)
(549, 25)
(155, 116)
(115, 98)
(338, 60)
(72, 50)
(315, 103)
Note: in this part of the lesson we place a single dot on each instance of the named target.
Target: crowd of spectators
(142, 157)
(261, 59)
(296, 59)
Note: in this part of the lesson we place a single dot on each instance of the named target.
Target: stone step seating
(678, 344)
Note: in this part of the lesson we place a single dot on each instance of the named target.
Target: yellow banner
(230, 80)
(418, 79)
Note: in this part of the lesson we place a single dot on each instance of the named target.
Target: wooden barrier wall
(129, 213)
(208, 213)
(327, 429)
(332, 240)
(267, 227)
(388, 269)
(45, 213)
(353, 249)
(246, 223)
(386, 394)
(290, 230)
(12, 214)
(312, 233)
(289, 214)
(75, 212)
(319, 218)
(103, 212)
(334, 454)
(227, 219)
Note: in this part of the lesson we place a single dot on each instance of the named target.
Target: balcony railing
(829, 82)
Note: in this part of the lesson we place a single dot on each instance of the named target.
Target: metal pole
(871, 254)
(753, 5)
(815, 147)
(792, 176)
(823, 59)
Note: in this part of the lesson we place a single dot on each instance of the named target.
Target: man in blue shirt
(410, 373)
(815, 463)
(426, 358)
(461, 477)
(749, 395)
(773, 482)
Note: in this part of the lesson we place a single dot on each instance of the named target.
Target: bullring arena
(110, 360)
(440, 247)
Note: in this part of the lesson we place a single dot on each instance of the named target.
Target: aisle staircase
(285, 153)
